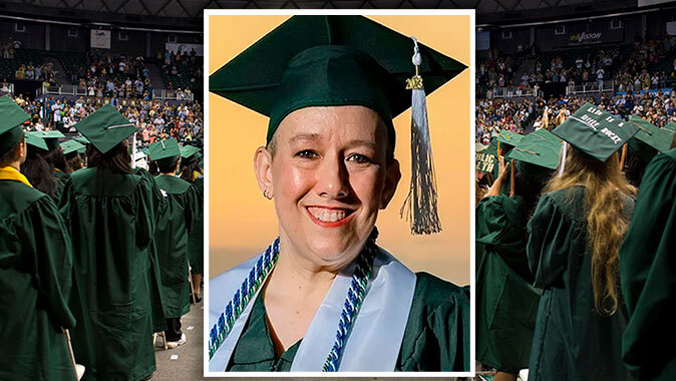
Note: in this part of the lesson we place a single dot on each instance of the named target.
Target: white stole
(375, 340)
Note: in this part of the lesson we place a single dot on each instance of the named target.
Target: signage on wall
(100, 39)
(584, 38)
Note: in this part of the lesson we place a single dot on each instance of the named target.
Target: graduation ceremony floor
(185, 362)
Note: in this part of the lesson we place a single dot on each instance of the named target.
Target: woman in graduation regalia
(111, 212)
(575, 236)
(506, 301)
(36, 268)
(171, 237)
(36, 169)
(648, 273)
(324, 296)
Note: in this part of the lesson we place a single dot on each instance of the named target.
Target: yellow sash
(10, 173)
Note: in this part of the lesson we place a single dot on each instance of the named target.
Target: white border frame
(472, 170)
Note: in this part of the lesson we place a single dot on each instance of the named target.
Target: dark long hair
(188, 169)
(118, 158)
(38, 172)
(57, 160)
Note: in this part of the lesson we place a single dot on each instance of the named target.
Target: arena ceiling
(190, 11)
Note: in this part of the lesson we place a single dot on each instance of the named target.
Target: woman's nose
(332, 178)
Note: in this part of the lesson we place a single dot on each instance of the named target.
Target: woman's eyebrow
(301, 137)
(361, 142)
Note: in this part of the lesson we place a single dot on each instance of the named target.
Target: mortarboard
(595, 132)
(671, 126)
(190, 153)
(51, 138)
(11, 130)
(508, 138)
(345, 60)
(81, 140)
(164, 152)
(72, 147)
(34, 138)
(540, 148)
(105, 128)
(649, 140)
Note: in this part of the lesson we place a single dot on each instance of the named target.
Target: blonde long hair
(605, 189)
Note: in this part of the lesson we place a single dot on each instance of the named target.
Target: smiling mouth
(329, 217)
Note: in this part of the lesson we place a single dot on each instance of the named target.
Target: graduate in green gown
(36, 268)
(73, 152)
(56, 159)
(192, 173)
(575, 236)
(171, 237)
(506, 302)
(111, 211)
(36, 169)
(324, 296)
(648, 274)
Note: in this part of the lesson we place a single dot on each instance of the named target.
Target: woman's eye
(307, 154)
(359, 159)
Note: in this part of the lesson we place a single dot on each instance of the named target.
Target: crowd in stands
(639, 76)
(181, 72)
(155, 120)
(112, 75)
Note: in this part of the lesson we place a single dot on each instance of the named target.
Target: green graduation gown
(648, 275)
(112, 219)
(436, 337)
(36, 270)
(196, 236)
(171, 242)
(506, 303)
(571, 340)
(61, 179)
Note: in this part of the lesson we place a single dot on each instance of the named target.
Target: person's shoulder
(20, 195)
(433, 293)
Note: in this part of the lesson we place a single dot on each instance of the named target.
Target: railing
(510, 92)
(65, 90)
(172, 95)
(76, 91)
(591, 87)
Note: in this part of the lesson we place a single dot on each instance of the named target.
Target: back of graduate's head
(168, 165)
(606, 190)
(56, 159)
(75, 162)
(38, 172)
(15, 154)
(117, 159)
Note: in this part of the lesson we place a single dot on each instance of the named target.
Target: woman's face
(329, 174)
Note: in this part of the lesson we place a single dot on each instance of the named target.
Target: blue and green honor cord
(257, 277)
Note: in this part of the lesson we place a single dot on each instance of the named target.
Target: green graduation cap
(509, 138)
(486, 158)
(164, 152)
(298, 63)
(51, 138)
(11, 130)
(539, 149)
(671, 126)
(105, 128)
(190, 153)
(649, 140)
(344, 60)
(34, 138)
(81, 140)
(72, 147)
(595, 132)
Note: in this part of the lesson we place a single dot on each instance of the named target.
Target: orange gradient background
(242, 222)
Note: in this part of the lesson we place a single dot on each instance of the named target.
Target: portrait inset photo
(340, 192)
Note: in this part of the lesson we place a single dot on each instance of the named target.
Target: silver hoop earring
(266, 195)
